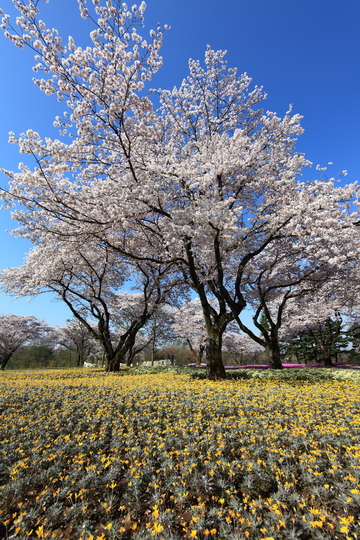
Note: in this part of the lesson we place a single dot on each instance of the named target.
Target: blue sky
(303, 52)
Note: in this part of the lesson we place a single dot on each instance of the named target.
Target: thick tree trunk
(215, 370)
(274, 356)
(108, 364)
(326, 350)
(112, 363)
(4, 360)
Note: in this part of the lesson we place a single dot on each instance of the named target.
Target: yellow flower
(157, 528)
(350, 477)
(316, 524)
(347, 520)
(314, 511)
(40, 531)
(155, 511)
(193, 533)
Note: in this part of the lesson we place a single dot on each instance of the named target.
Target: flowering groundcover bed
(91, 456)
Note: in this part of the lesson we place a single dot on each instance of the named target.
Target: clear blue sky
(303, 52)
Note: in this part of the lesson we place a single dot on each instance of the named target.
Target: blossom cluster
(163, 456)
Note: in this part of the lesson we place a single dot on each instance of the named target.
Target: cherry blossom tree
(225, 189)
(238, 345)
(302, 266)
(189, 324)
(159, 330)
(205, 185)
(17, 331)
(75, 337)
(156, 330)
(89, 279)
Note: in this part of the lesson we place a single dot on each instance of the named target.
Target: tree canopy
(17, 331)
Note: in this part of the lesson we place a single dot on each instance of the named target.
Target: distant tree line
(27, 343)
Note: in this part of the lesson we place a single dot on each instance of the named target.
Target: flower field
(96, 457)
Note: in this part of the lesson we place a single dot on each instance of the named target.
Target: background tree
(75, 337)
(189, 324)
(300, 267)
(159, 330)
(17, 331)
(239, 348)
(317, 322)
(303, 347)
(89, 279)
(321, 342)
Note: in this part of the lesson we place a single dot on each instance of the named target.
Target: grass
(87, 455)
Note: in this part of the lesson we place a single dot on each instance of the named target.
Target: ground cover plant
(85, 455)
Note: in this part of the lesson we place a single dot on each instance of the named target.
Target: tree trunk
(197, 355)
(274, 355)
(200, 355)
(327, 356)
(153, 344)
(108, 364)
(112, 363)
(325, 348)
(215, 370)
(4, 360)
(129, 358)
(80, 359)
